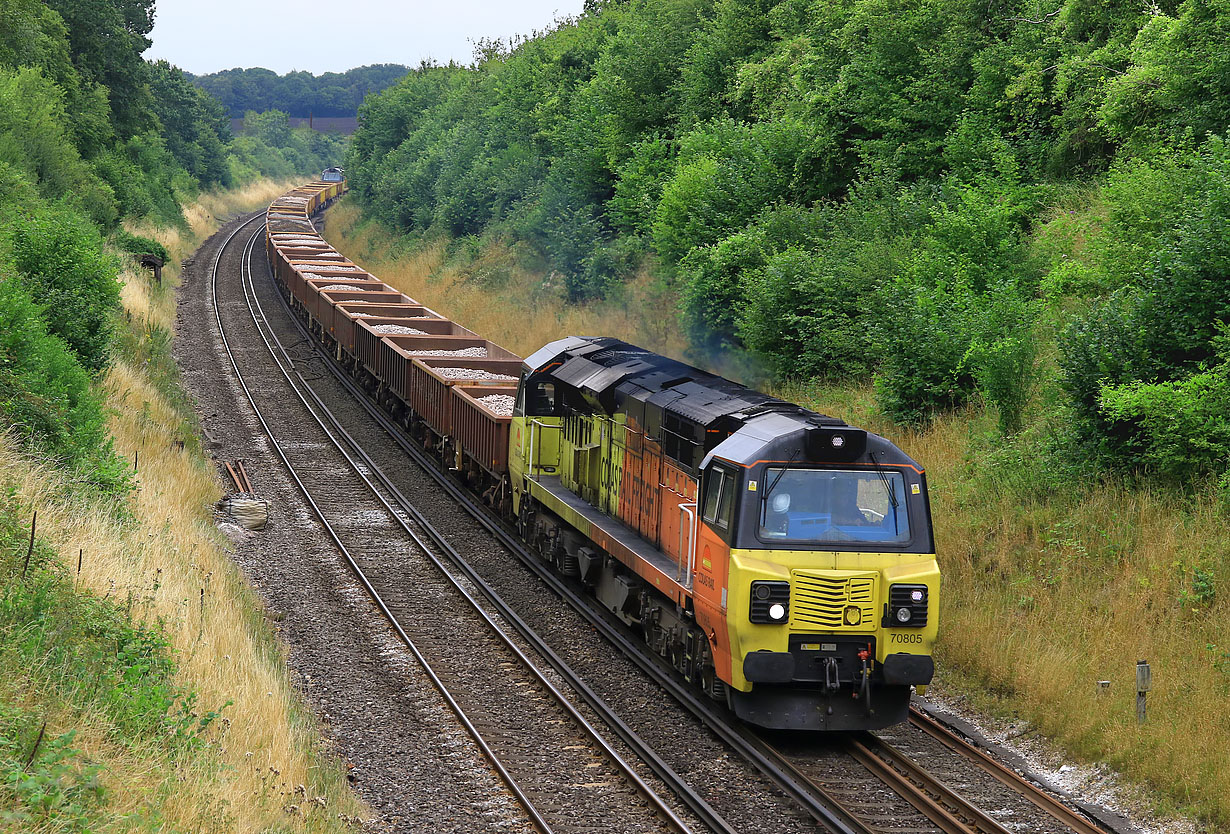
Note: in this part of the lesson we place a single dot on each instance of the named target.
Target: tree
(107, 38)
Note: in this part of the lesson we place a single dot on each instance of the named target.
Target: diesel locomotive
(780, 559)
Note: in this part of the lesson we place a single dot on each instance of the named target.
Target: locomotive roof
(610, 372)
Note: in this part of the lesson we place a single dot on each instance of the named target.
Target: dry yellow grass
(171, 562)
(1045, 596)
(521, 311)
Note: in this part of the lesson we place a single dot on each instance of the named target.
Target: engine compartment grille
(821, 599)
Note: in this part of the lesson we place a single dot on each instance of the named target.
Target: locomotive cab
(832, 582)
(781, 559)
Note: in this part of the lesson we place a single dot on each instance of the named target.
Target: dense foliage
(867, 188)
(298, 93)
(91, 134)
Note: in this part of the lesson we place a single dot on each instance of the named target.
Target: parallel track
(1025, 788)
(392, 502)
(943, 807)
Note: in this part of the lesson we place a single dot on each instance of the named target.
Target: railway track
(549, 755)
(936, 808)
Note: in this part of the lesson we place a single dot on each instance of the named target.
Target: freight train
(780, 559)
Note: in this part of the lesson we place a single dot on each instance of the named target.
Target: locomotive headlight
(770, 602)
(838, 441)
(907, 606)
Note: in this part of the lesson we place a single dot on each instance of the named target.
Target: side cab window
(721, 484)
(537, 397)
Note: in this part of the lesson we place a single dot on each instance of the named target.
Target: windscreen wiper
(781, 472)
(879, 467)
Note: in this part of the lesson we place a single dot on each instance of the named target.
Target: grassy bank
(489, 290)
(253, 759)
(1053, 582)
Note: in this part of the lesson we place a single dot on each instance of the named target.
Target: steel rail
(1027, 789)
(951, 812)
(370, 472)
(817, 802)
(535, 816)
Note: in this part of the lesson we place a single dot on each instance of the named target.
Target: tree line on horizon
(297, 93)
(1022, 203)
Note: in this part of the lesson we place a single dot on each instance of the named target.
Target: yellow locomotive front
(831, 585)
(781, 559)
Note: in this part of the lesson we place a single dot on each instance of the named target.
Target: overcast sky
(333, 36)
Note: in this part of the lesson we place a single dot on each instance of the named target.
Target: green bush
(1161, 327)
(1179, 429)
(1003, 360)
(728, 173)
(1178, 79)
(925, 337)
(138, 245)
(943, 345)
(141, 172)
(59, 258)
(35, 139)
(640, 184)
(47, 399)
(811, 316)
(958, 318)
(715, 280)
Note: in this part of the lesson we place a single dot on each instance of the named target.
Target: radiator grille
(821, 600)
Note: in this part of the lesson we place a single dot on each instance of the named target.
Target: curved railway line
(503, 737)
(838, 794)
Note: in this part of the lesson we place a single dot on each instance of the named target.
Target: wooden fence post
(1144, 682)
(30, 549)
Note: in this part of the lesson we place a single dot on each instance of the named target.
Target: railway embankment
(143, 685)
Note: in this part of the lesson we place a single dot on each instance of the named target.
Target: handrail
(529, 458)
(691, 555)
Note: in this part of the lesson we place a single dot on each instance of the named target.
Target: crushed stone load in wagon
(288, 200)
(468, 353)
(345, 268)
(501, 404)
(301, 241)
(343, 287)
(360, 315)
(396, 329)
(316, 276)
(473, 374)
